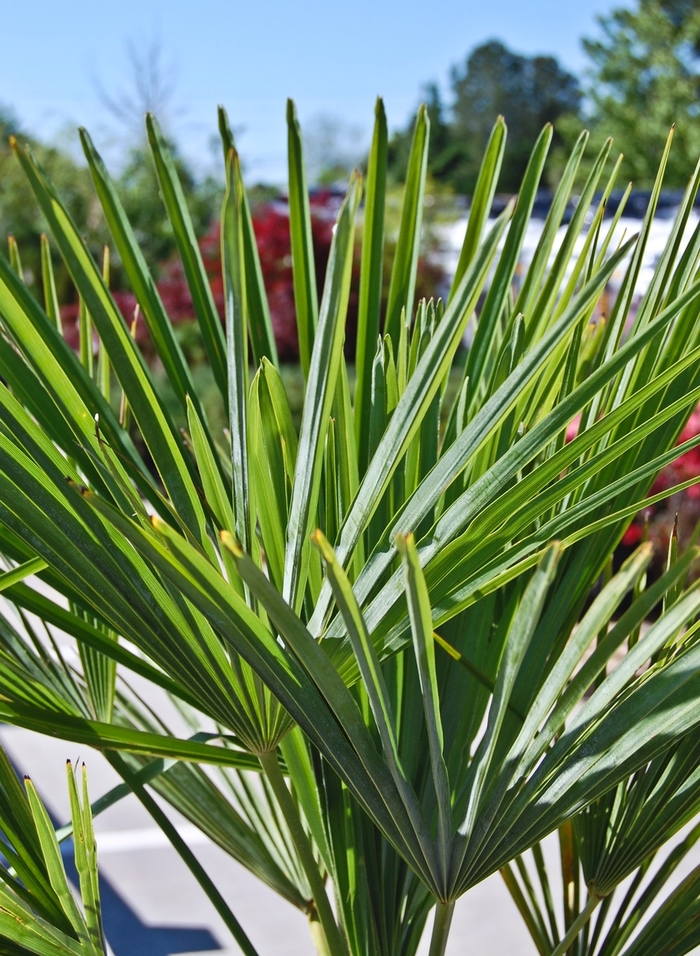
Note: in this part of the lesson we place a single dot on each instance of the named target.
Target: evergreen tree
(645, 76)
(527, 91)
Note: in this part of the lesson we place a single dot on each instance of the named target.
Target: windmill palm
(377, 626)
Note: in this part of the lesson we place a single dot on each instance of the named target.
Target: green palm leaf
(421, 698)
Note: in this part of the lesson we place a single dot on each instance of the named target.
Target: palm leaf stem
(577, 925)
(441, 927)
(334, 939)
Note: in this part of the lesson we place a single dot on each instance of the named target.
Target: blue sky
(333, 57)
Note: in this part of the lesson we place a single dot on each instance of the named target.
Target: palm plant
(377, 627)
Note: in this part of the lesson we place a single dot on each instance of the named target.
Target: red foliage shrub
(271, 225)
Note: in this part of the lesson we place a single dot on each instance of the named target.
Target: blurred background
(629, 71)
(626, 69)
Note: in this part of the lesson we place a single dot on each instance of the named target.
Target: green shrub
(383, 631)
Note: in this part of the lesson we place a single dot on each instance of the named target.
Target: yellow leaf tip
(228, 540)
(319, 539)
(555, 548)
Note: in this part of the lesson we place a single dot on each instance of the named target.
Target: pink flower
(572, 428)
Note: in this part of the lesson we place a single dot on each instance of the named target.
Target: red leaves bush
(686, 504)
(271, 225)
(656, 521)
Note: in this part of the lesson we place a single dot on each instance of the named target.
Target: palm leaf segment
(39, 913)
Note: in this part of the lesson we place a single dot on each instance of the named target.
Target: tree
(447, 152)
(19, 216)
(527, 91)
(333, 149)
(645, 76)
(150, 87)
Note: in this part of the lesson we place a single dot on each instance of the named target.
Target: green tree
(137, 186)
(645, 76)
(19, 215)
(527, 91)
(493, 81)
(447, 152)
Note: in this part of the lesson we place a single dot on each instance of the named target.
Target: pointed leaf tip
(319, 539)
(228, 540)
(404, 540)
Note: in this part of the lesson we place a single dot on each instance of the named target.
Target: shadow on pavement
(128, 935)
